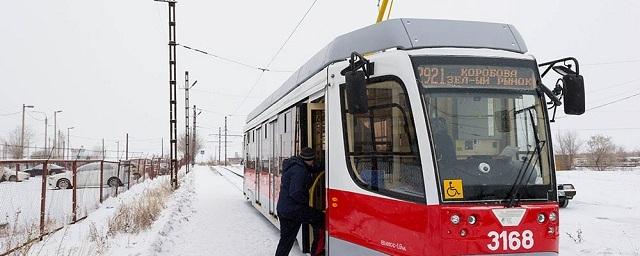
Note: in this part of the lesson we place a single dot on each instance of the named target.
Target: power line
(232, 60)
(611, 62)
(10, 114)
(606, 104)
(277, 53)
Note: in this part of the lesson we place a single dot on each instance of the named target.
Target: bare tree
(568, 145)
(193, 149)
(13, 140)
(601, 151)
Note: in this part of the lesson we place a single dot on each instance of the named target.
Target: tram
(434, 135)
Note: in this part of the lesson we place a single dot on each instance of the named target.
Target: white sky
(104, 63)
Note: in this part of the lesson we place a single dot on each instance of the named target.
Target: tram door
(273, 141)
(258, 164)
(316, 139)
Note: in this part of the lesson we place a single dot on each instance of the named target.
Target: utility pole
(55, 133)
(118, 149)
(162, 149)
(193, 158)
(219, 143)
(186, 117)
(126, 149)
(69, 142)
(46, 126)
(103, 152)
(173, 118)
(225, 140)
(22, 136)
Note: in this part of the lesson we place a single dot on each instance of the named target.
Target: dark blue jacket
(295, 182)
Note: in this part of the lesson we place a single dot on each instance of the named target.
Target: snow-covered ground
(20, 206)
(208, 215)
(606, 210)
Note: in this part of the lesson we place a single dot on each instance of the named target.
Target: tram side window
(382, 152)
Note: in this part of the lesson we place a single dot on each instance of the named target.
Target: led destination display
(476, 76)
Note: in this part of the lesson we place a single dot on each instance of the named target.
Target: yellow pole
(382, 11)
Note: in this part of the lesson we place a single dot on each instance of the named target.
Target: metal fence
(38, 197)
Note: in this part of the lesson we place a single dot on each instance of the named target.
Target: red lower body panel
(404, 228)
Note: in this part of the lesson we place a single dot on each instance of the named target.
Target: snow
(208, 215)
(606, 209)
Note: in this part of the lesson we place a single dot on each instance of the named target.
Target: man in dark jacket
(293, 203)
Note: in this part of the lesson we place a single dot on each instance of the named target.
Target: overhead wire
(276, 54)
(10, 114)
(232, 60)
(611, 62)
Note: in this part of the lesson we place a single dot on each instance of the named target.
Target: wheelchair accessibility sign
(453, 189)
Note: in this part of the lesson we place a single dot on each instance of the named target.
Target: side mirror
(573, 91)
(357, 100)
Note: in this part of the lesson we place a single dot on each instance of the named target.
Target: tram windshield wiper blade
(525, 165)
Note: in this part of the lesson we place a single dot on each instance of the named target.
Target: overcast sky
(104, 63)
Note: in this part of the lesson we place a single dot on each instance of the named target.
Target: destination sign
(476, 76)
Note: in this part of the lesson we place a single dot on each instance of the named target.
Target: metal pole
(103, 152)
(22, 134)
(186, 116)
(101, 178)
(55, 133)
(219, 143)
(118, 149)
(126, 157)
(193, 158)
(173, 122)
(46, 123)
(43, 198)
(74, 196)
(225, 141)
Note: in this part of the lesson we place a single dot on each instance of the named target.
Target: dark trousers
(290, 224)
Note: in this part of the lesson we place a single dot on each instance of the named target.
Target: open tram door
(315, 139)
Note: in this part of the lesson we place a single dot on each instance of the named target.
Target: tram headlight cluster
(455, 219)
(553, 216)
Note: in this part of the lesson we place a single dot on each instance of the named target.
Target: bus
(434, 136)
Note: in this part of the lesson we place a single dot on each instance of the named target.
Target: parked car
(88, 175)
(13, 176)
(51, 170)
(566, 192)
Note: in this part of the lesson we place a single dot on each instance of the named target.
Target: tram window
(382, 153)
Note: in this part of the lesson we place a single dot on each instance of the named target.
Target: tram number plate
(510, 240)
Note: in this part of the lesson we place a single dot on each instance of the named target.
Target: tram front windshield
(488, 131)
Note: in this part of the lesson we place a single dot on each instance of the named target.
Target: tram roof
(403, 34)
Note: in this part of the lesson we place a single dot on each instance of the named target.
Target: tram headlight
(553, 216)
(541, 217)
(471, 219)
(455, 219)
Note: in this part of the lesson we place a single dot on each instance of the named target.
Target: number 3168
(510, 241)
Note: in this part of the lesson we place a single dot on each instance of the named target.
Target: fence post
(43, 197)
(101, 179)
(139, 174)
(74, 198)
(118, 175)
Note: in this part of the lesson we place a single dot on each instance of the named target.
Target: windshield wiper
(515, 188)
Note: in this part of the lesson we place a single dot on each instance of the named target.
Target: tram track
(238, 186)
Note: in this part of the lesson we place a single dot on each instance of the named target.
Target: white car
(11, 175)
(88, 175)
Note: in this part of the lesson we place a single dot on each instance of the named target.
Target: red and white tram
(435, 138)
